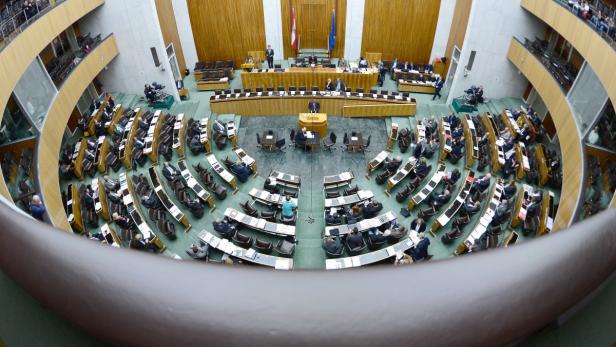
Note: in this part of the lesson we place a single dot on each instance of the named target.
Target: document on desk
(282, 264)
(250, 253)
(390, 251)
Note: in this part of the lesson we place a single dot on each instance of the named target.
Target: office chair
(259, 89)
(281, 88)
(259, 141)
(359, 90)
(365, 144)
(270, 89)
(264, 247)
(302, 88)
(247, 90)
(372, 91)
(395, 93)
(277, 66)
(292, 88)
(347, 90)
(315, 88)
(355, 250)
(227, 91)
(329, 142)
(217, 92)
(383, 92)
(292, 137)
(280, 144)
(237, 91)
(405, 94)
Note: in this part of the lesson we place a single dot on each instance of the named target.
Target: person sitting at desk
(501, 213)
(440, 199)
(482, 183)
(421, 169)
(507, 144)
(314, 106)
(509, 190)
(224, 228)
(431, 125)
(138, 243)
(457, 132)
(288, 207)
(406, 66)
(471, 207)
(241, 170)
(450, 178)
(333, 244)
(169, 171)
(312, 59)
(378, 236)
(340, 87)
(355, 214)
(453, 120)
(510, 167)
(418, 225)
(329, 86)
(300, 138)
(363, 63)
(219, 127)
(198, 251)
(333, 217)
(372, 208)
(149, 200)
(420, 251)
(249, 60)
(354, 239)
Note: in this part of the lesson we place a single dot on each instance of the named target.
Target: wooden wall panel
(313, 20)
(402, 29)
(459, 24)
(169, 28)
(17, 56)
(571, 149)
(50, 141)
(227, 30)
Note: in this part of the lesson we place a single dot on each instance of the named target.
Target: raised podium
(316, 122)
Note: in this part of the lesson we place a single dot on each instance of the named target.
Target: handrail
(120, 296)
(573, 156)
(49, 142)
(40, 11)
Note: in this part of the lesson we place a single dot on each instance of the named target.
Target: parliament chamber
(168, 162)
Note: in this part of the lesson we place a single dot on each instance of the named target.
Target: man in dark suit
(355, 240)
(314, 106)
(418, 225)
(269, 55)
(420, 251)
(333, 244)
(329, 86)
(340, 87)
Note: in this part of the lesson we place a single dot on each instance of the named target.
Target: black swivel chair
(217, 92)
(259, 89)
(247, 90)
(281, 88)
(292, 89)
(238, 90)
(383, 92)
(259, 141)
(329, 142)
(280, 144)
(270, 89)
(359, 90)
(372, 91)
(302, 88)
(365, 144)
(356, 250)
(315, 88)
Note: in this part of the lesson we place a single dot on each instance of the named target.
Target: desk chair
(285, 248)
(277, 66)
(365, 144)
(372, 91)
(292, 137)
(237, 91)
(247, 90)
(281, 88)
(359, 90)
(264, 247)
(395, 93)
(302, 88)
(347, 90)
(280, 144)
(227, 91)
(242, 240)
(384, 92)
(357, 250)
(259, 89)
(315, 88)
(217, 92)
(259, 141)
(329, 142)
(405, 94)
(292, 89)
(270, 89)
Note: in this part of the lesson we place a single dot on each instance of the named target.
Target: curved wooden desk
(179, 135)
(73, 209)
(288, 103)
(151, 140)
(454, 206)
(175, 212)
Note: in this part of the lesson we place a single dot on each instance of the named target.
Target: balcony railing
(15, 17)
(601, 17)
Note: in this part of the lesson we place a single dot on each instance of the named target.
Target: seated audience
(354, 239)
(333, 244)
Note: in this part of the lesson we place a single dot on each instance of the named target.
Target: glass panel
(15, 124)
(604, 133)
(35, 92)
(174, 68)
(587, 97)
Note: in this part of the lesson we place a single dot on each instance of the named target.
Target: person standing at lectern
(269, 55)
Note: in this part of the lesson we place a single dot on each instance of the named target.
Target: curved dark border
(129, 298)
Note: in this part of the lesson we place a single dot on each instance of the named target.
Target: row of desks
(363, 225)
(298, 76)
(455, 206)
(376, 256)
(249, 255)
(260, 224)
(169, 205)
(285, 103)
